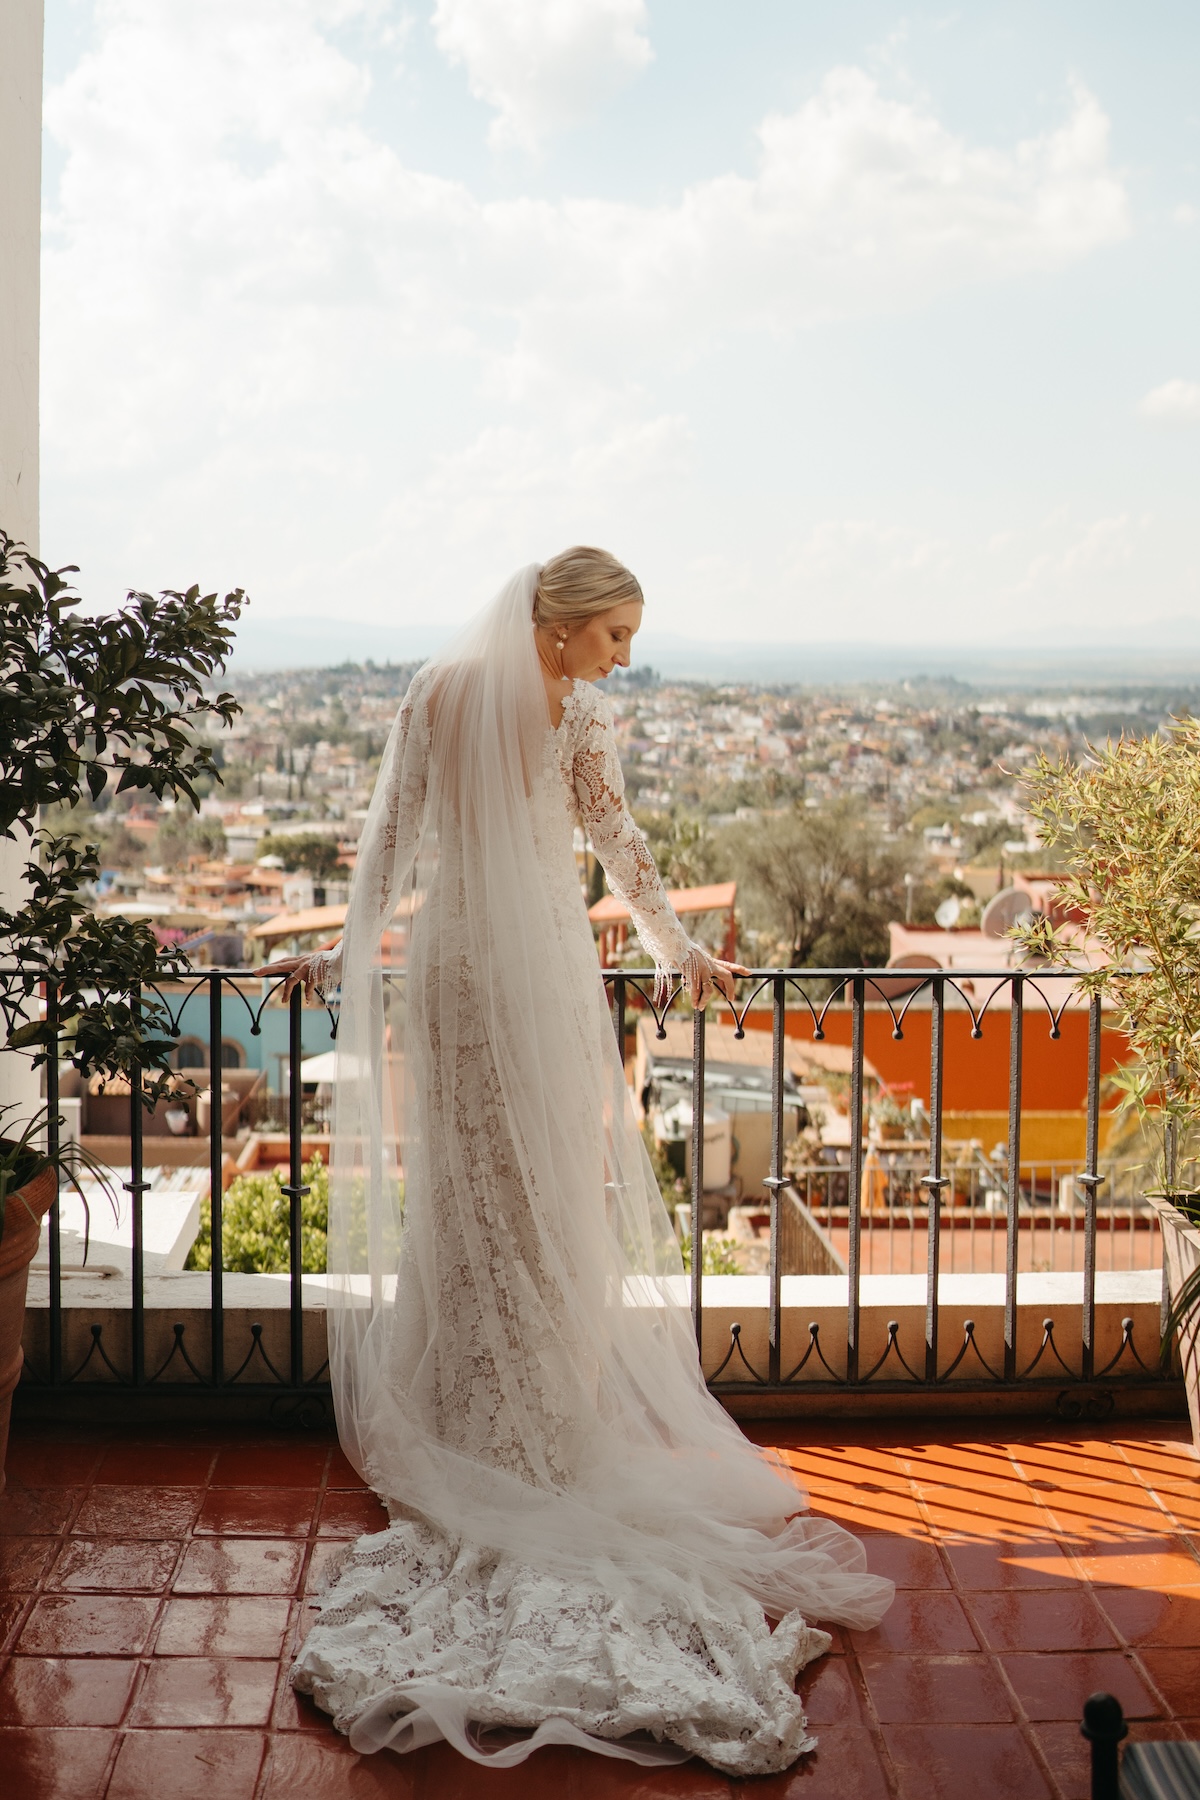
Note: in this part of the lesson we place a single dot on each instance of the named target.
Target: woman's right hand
(306, 970)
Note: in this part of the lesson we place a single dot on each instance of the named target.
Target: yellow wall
(1045, 1136)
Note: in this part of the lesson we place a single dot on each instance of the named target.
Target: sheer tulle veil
(576, 1434)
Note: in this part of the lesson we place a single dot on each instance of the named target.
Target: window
(232, 1054)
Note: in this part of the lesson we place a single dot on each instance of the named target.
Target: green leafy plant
(888, 1111)
(719, 1256)
(1127, 821)
(92, 703)
(256, 1224)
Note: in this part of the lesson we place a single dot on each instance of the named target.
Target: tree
(89, 701)
(826, 880)
(682, 847)
(183, 833)
(303, 850)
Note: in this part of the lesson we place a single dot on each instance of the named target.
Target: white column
(21, 24)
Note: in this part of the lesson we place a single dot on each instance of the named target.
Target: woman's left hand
(710, 977)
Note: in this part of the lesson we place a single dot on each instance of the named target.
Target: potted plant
(29, 1184)
(1127, 820)
(891, 1120)
(92, 705)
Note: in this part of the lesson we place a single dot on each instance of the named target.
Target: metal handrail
(787, 992)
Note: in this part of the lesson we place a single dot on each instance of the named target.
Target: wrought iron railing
(945, 1354)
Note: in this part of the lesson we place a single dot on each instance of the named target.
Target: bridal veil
(512, 1355)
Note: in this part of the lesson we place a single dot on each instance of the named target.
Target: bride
(583, 1548)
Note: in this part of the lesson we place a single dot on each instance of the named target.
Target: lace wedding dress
(583, 1548)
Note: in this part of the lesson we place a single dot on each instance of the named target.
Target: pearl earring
(562, 643)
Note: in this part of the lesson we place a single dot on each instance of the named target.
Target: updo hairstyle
(579, 583)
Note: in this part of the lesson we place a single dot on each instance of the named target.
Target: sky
(837, 322)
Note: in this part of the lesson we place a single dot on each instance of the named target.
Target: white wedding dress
(583, 1548)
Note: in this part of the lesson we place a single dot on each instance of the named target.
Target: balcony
(888, 1276)
(156, 1583)
(997, 1427)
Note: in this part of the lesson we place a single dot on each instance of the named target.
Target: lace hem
(421, 1638)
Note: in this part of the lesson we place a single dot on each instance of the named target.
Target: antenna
(947, 913)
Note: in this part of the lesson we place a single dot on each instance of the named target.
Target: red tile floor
(152, 1589)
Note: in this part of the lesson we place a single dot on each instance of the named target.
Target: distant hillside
(1167, 650)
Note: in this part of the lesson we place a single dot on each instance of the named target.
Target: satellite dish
(894, 987)
(1011, 906)
(947, 913)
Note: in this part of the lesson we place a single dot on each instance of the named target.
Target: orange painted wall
(1054, 1071)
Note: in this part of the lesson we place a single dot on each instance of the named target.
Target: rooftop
(156, 1581)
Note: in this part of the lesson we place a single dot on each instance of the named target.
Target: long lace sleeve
(621, 847)
(390, 834)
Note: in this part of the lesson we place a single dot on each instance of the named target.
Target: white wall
(20, 244)
(20, 249)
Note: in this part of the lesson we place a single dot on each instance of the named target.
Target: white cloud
(1173, 403)
(543, 64)
(264, 332)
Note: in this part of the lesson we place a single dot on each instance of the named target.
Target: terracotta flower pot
(1181, 1255)
(26, 1209)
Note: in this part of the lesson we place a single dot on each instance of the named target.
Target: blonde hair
(579, 583)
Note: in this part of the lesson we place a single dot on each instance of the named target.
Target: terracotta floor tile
(1176, 1675)
(45, 1763)
(1026, 1564)
(1055, 1684)
(206, 1690)
(271, 1465)
(298, 1712)
(1046, 1620)
(924, 1690)
(224, 1625)
(1105, 1517)
(1146, 1616)
(51, 1462)
(138, 1512)
(979, 1493)
(240, 1566)
(844, 1766)
(24, 1560)
(919, 1624)
(342, 1473)
(909, 1562)
(986, 1519)
(349, 1515)
(324, 1558)
(65, 1690)
(305, 1768)
(440, 1773)
(1076, 1459)
(110, 1566)
(187, 1765)
(944, 1762)
(1183, 1509)
(942, 1464)
(1139, 1562)
(35, 1512)
(1069, 1754)
(867, 1512)
(170, 1464)
(87, 1625)
(257, 1512)
(844, 1461)
(828, 1692)
(12, 1609)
